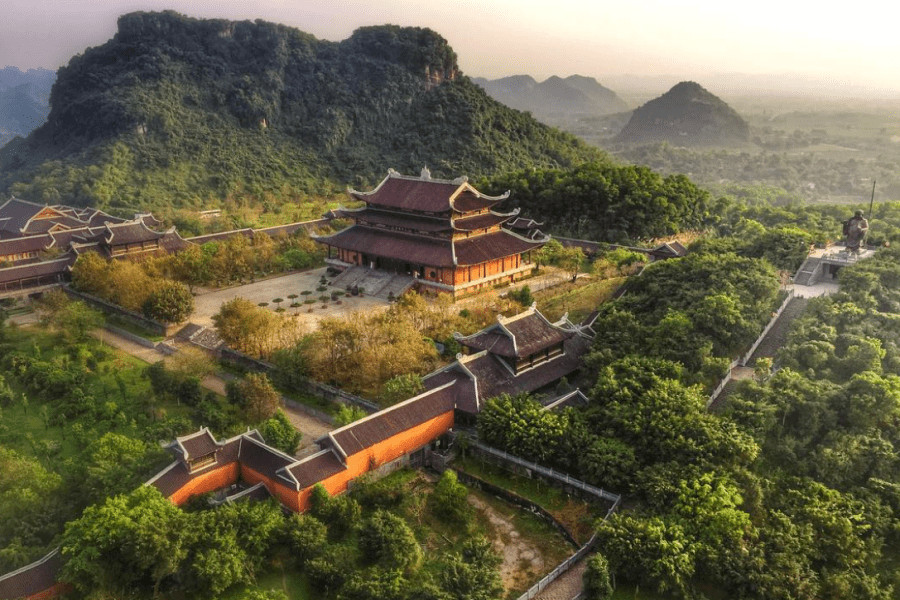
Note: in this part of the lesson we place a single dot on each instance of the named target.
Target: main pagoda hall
(445, 234)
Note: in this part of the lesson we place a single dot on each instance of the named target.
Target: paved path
(777, 335)
(567, 586)
(311, 427)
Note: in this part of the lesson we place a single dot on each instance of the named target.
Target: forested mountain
(686, 115)
(180, 111)
(24, 100)
(554, 98)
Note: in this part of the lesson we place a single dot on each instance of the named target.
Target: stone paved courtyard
(207, 303)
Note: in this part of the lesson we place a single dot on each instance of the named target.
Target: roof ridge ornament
(425, 175)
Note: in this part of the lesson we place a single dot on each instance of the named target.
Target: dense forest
(175, 111)
(789, 490)
(605, 201)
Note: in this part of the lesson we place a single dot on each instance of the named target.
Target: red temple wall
(289, 497)
(382, 453)
(207, 481)
(58, 589)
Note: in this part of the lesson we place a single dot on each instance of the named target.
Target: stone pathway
(567, 586)
(522, 562)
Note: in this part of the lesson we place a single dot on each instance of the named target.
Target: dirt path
(522, 561)
(311, 427)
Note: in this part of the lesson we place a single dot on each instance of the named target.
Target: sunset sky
(848, 45)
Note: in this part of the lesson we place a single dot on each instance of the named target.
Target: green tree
(473, 573)
(596, 581)
(348, 413)
(279, 432)
(402, 387)
(255, 395)
(73, 320)
(130, 542)
(307, 537)
(386, 539)
(115, 464)
(450, 498)
(169, 302)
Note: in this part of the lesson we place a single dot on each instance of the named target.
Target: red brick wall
(208, 481)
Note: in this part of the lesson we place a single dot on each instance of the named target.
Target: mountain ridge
(195, 111)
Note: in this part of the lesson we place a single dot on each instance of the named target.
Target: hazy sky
(850, 44)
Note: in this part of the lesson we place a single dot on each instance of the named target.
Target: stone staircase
(810, 272)
(397, 286)
(777, 335)
(349, 277)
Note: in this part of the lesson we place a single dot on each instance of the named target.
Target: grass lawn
(579, 299)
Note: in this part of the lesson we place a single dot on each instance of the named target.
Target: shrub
(170, 302)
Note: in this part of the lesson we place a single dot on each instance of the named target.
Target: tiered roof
(486, 374)
(402, 214)
(425, 194)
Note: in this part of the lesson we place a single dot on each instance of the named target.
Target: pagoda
(445, 234)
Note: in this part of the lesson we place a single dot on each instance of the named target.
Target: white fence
(549, 473)
(742, 360)
(559, 570)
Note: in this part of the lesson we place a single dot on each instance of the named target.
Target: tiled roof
(410, 194)
(465, 396)
(425, 194)
(264, 459)
(494, 378)
(31, 579)
(171, 479)
(15, 214)
(518, 336)
(317, 467)
(500, 244)
(523, 223)
(33, 243)
(387, 423)
(196, 445)
(470, 199)
(39, 226)
(397, 219)
(130, 232)
(392, 244)
(257, 492)
(40, 269)
(482, 221)
(669, 249)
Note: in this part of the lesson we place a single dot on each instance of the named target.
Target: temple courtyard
(208, 302)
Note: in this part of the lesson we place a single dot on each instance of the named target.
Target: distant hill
(555, 98)
(24, 100)
(686, 115)
(176, 111)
